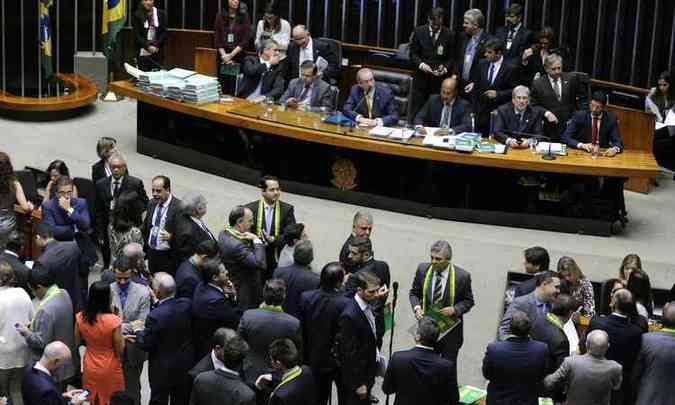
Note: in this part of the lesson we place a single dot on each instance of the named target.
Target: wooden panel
(85, 93)
(26, 224)
(181, 46)
(637, 130)
(205, 61)
(308, 127)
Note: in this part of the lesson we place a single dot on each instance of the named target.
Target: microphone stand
(393, 324)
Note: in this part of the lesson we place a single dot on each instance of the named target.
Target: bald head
(300, 36)
(597, 343)
(622, 301)
(448, 89)
(164, 285)
(54, 355)
(668, 317)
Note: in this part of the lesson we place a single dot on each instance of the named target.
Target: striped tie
(438, 288)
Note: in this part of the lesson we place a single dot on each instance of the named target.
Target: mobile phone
(81, 396)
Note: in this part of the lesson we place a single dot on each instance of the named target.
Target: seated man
(263, 77)
(309, 90)
(596, 126)
(518, 119)
(370, 104)
(65, 213)
(446, 110)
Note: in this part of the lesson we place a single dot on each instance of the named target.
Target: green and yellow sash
(450, 285)
(52, 292)
(555, 321)
(275, 308)
(292, 375)
(668, 331)
(261, 216)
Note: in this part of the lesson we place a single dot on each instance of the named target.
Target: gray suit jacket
(654, 369)
(221, 387)
(55, 321)
(260, 327)
(137, 307)
(589, 380)
(322, 96)
(244, 265)
(526, 303)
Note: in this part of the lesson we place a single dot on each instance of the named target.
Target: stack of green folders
(470, 395)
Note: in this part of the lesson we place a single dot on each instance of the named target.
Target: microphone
(356, 107)
(395, 287)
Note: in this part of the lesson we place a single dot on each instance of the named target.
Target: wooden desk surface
(84, 93)
(307, 126)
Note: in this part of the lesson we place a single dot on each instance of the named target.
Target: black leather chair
(401, 85)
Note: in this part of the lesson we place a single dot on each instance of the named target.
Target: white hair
(521, 90)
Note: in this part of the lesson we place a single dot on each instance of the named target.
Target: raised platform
(82, 92)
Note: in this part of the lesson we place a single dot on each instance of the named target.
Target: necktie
(269, 216)
(116, 188)
(369, 103)
(445, 120)
(124, 293)
(594, 131)
(305, 92)
(556, 89)
(491, 72)
(371, 318)
(438, 288)
(156, 224)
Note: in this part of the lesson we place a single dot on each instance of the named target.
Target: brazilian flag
(46, 39)
(114, 16)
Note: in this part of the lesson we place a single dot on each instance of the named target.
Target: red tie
(594, 132)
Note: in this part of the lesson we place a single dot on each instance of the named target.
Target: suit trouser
(161, 260)
(179, 393)
(350, 398)
(324, 382)
(132, 379)
(10, 384)
(449, 351)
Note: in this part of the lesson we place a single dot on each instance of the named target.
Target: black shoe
(374, 399)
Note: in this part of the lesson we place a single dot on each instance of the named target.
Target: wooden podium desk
(308, 127)
(26, 224)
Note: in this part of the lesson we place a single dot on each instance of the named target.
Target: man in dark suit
(309, 91)
(514, 34)
(493, 83)
(549, 329)
(446, 110)
(214, 359)
(558, 93)
(67, 263)
(298, 277)
(655, 363)
(271, 216)
(431, 52)
(596, 126)
(243, 254)
(262, 326)
(224, 385)
(625, 338)
(319, 312)
(518, 117)
(191, 229)
(471, 47)
(535, 304)
(516, 366)
(419, 375)
(66, 214)
(188, 275)
(362, 225)
(166, 337)
(109, 190)
(213, 306)
(11, 244)
(303, 47)
(361, 257)
(297, 385)
(357, 342)
(442, 287)
(159, 227)
(370, 104)
(535, 261)
(38, 387)
(263, 76)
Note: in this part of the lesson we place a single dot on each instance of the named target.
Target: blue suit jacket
(166, 338)
(39, 388)
(211, 309)
(515, 367)
(64, 224)
(384, 104)
(431, 113)
(579, 130)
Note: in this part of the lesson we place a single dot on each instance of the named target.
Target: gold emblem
(344, 174)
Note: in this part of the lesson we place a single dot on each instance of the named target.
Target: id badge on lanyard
(439, 50)
(230, 38)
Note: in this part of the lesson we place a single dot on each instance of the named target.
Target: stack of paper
(554, 147)
(178, 84)
(381, 131)
(200, 89)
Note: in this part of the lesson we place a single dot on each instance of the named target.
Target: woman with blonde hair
(580, 287)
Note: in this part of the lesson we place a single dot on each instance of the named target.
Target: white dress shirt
(306, 53)
(282, 37)
(497, 65)
(258, 90)
(161, 245)
(15, 307)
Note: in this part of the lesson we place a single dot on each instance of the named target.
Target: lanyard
(295, 373)
(555, 321)
(275, 308)
(261, 214)
(52, 292)
(450, 285)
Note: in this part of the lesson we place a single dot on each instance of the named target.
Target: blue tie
(491, 72)
(156, 224)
